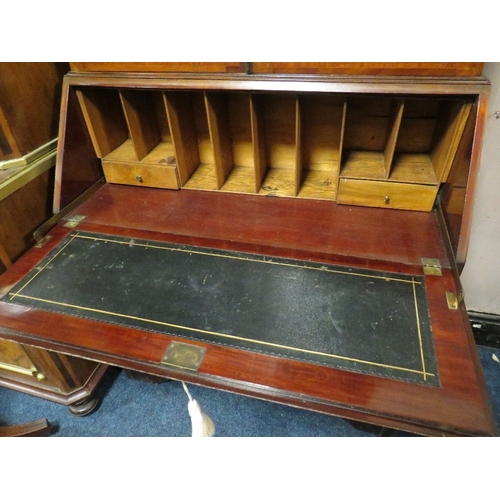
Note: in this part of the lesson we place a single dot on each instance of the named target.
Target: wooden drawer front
(386, 194)
(141, 175)
(158, 67)
(371, 68)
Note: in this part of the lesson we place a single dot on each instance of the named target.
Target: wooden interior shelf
(308, 145)
(410, 141)
(372, 127)
(413, 168)
(131, 135)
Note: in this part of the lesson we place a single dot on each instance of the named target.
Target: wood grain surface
(459, 406)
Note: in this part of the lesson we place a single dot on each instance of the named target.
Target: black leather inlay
(371, 322)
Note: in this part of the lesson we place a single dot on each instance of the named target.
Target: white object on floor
(202, 424)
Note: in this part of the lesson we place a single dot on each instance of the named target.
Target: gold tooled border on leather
(424, 373)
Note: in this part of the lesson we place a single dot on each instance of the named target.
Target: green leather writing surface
(371, 322)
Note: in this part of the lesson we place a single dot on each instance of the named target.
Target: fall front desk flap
(364, 321)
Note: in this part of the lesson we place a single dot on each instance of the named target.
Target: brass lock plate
(185, 356)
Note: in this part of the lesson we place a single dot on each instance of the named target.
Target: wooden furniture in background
(62, 379)
(36, 428)
(195, 67)
(30, 97)
(448, 69)
(454, 69)
(25, 209)
(4, 259)
(65, 380)
(30, 94)
(329, 171)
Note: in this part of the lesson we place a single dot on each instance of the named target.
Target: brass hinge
(41, 238)
(73, 221)
(54, 220)
(431, 267)
(42, 242)
(454, 300)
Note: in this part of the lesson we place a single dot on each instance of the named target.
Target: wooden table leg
(35, 428)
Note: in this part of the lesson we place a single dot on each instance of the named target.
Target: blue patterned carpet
(131, 407)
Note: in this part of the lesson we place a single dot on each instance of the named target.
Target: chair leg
(31, 429)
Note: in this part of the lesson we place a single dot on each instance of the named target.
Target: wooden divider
(450, 132)
(371, 127)
(322, 120)
(258, 141)
(204, 175)
(104, 117)
(282, 144)
(144, 132)
(181, 122)
(421, 140)
(220, 138)
(394, 124)
(412, 161)
(243, 175)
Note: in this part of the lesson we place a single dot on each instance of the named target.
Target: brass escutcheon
(184, 356)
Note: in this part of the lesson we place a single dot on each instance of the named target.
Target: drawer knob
(139, 178)
(387, 200)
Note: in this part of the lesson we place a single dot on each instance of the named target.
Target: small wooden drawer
(386, 194)
(136, 174)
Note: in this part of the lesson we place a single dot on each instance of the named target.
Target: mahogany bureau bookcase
(291, 237)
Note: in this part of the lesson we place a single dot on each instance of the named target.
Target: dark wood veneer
(307, 229)
(458, 406)
(297, 224)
